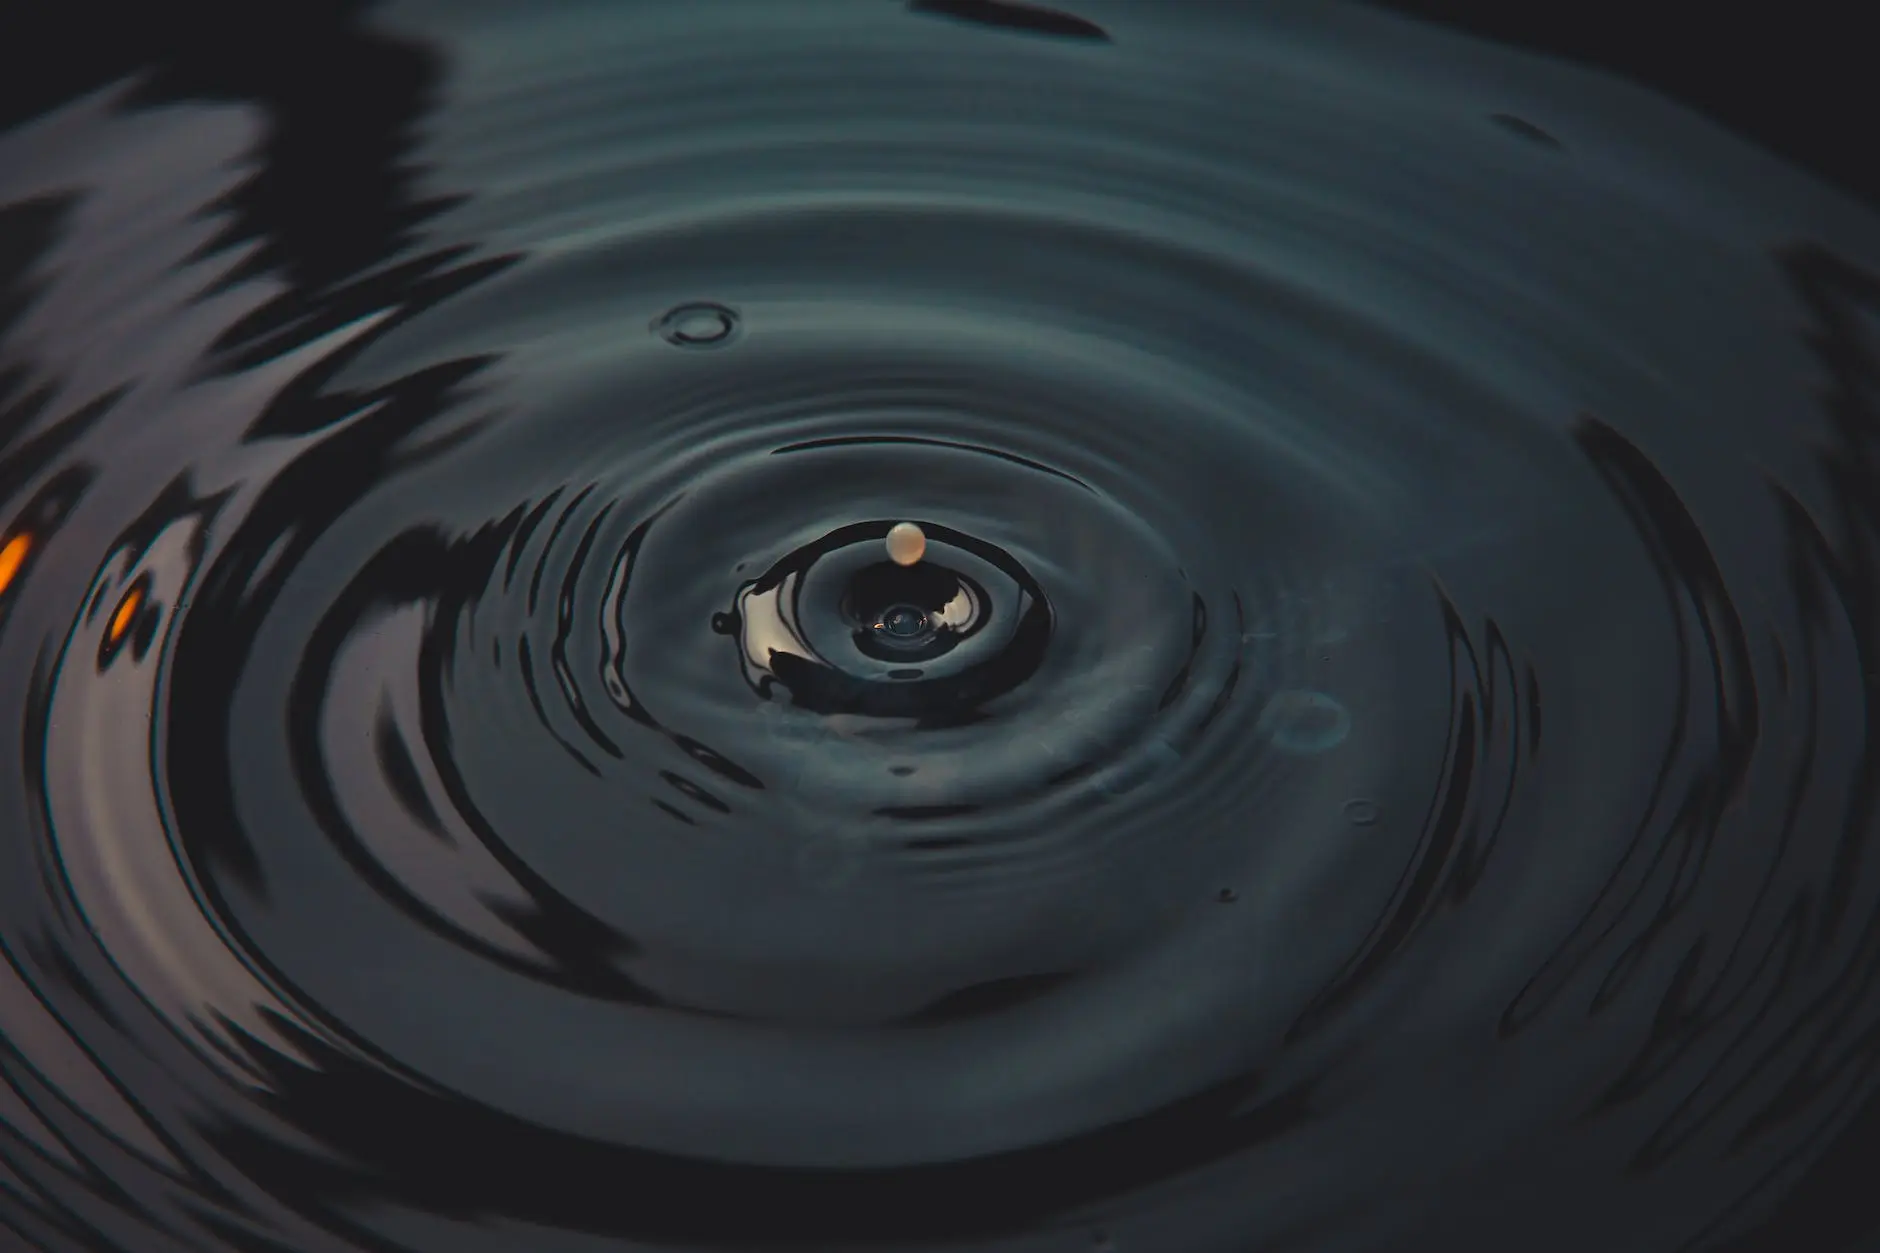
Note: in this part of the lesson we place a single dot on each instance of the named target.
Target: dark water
(1377, 755)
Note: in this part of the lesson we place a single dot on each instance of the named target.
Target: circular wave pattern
(1373, 754)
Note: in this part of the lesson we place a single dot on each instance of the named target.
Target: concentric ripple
(1374, 755)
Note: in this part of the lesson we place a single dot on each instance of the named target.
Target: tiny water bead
(699, 324)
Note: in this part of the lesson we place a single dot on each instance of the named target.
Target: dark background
(1799, 85)
(332, 198)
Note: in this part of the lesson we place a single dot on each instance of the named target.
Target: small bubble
(1360, 812)
(700, 324)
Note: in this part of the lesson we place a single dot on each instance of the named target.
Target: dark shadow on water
(1004, 15)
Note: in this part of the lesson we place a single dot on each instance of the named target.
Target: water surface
(1376, 755)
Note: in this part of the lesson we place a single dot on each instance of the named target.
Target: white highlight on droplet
(907, 543)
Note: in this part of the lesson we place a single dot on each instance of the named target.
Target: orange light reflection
(13, 559)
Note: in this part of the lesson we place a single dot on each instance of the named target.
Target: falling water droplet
(907, 543)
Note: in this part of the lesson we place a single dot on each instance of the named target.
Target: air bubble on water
(1304, 722)
(699, 324)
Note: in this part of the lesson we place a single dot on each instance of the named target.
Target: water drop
(907, 543)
